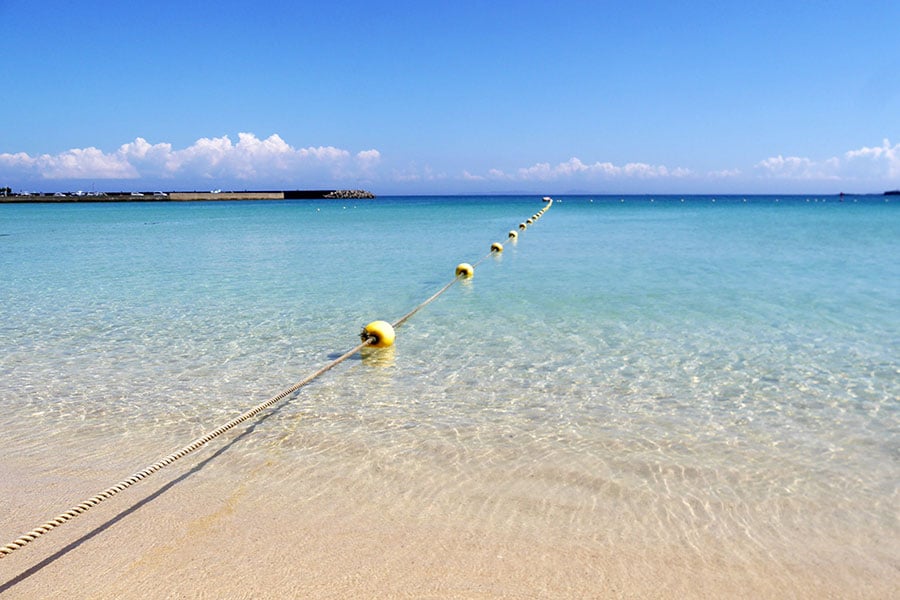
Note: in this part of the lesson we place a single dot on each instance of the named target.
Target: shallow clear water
(710, 373)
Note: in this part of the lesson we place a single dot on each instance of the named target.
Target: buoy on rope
(529, 221)
(522, 226)
(513, 235)
(497, 247)
(464, 270)
(382, 331)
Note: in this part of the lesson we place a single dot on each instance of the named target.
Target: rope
(483, 258)
(195, 445)
(202, 441)
(406, 317)
(437, 294)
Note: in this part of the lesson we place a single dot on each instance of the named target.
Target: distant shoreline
(60, 198)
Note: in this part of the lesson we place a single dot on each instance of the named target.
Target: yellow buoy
(522, 226)
(513, 235)
(529, 221)
(464, 270)
(497, 247)
(382, 331)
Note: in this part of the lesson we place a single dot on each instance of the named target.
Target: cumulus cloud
(368, 160)
(883, 160)
(794, 167)
(879, 163)
(250, 158)
(369, 156)
(271, 160)
(414, 173)
(575, 167)
(724, 174)
(78, 163)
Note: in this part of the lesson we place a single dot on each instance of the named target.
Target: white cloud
(792, 167)
(272, 161)
(369, 156)
(724, 174)
(414, 173)
(78, 163)
(146, 158)
(880, 163)
(575, 167)
(368, 159)
(883, 160)
(251, 158)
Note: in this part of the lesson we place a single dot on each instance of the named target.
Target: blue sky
(452, 97)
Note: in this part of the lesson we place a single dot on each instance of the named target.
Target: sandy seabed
(202, 529)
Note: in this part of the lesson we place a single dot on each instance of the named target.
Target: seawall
(186, 196)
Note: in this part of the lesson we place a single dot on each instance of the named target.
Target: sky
(452, 97)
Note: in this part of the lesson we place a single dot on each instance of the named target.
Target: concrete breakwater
(187, 196)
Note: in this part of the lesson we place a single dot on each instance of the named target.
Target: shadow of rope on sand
(128, 511)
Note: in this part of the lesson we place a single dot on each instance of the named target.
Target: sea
(678, 395)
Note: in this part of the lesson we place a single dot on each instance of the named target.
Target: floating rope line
(465, 270)
(460, 274)
(376, 334)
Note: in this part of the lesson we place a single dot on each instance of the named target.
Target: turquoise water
(672, 370)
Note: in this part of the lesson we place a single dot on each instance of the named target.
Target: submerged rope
(195, 445)
(434, 297)
(202, 441)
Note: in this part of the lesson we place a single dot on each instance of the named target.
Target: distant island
(892, 193)
(212, 195)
